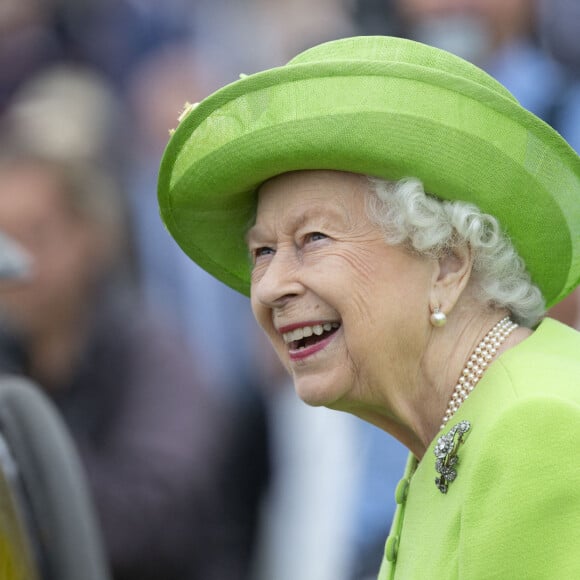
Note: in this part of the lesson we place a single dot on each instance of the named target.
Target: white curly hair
(432, 227)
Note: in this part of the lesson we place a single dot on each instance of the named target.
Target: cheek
(382, 292)
(359, 283)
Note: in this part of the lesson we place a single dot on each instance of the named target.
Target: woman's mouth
(306, 340)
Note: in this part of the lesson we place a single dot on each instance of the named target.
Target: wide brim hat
(381, 106)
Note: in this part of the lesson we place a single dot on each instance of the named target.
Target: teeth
(306, 331)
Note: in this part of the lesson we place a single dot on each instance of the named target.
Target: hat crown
(394, 50)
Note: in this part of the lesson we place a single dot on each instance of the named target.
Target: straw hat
(382, 106)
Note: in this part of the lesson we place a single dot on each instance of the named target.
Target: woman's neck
(415, 417)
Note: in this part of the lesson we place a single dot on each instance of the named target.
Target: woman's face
(345, 311)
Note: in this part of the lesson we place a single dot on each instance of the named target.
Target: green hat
(387, 107)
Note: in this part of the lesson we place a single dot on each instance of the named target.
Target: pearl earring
(438, 318)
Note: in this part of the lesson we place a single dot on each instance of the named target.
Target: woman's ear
(451, 275)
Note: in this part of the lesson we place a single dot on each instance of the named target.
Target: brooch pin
(446, 452)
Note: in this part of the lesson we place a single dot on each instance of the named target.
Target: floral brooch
(446, 453)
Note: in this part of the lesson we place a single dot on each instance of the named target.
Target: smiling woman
(342, 277)
(422, 313)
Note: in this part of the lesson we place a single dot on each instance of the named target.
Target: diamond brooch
(446, 453)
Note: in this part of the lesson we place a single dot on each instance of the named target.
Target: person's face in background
(472, 29)
(63, 246)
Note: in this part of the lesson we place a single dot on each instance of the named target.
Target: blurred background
(202, 462)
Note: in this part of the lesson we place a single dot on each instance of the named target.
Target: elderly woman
(408, 223)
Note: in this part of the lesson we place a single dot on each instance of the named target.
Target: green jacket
(513, 511)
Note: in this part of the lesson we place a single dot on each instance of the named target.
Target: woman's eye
(315, 236)
(262, 251)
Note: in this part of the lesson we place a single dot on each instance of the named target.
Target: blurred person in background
(137, 400)
(133, 399)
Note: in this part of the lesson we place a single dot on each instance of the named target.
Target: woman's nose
(279, 280)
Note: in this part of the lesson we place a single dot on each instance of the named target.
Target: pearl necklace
(476, 365)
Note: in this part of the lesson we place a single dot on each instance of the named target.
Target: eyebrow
(327, 215)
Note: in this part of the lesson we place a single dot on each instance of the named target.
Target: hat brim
(463, 139)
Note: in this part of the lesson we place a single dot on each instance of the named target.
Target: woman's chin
(316, 394)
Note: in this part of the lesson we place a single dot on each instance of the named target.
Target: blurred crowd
(202, 463)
